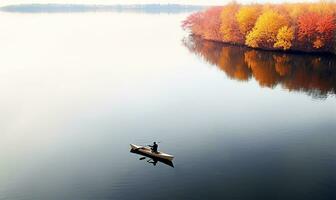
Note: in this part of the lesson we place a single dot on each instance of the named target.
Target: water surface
(77, 88)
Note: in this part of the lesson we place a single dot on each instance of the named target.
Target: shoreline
(296, 52)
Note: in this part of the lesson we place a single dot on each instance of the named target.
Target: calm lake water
(77, 88)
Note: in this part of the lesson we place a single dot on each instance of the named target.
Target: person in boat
(154, 147)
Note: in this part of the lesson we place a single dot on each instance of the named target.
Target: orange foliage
(325, 28)
(246, 18)
(298, 26)
(306, 27)
(316, 30)
(229, 25)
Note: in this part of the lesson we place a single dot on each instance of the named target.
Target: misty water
(78, 88)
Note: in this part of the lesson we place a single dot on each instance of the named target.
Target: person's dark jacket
(154, 147)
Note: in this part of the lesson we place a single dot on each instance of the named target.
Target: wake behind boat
(149, 152)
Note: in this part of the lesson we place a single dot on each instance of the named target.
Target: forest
(306, 27)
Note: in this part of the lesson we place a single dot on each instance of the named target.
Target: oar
(140, 147)
(145, 146)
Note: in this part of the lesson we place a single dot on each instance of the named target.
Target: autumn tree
(194, 23)
(325, 28)
(246, 18)
(306, 28)
(316, 30)
(229, 25)
(284, 38)
(212, 24)
(266, 29)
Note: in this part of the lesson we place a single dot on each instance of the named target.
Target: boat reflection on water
(152, 160)
(315, 75)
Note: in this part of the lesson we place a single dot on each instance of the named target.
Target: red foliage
(325, 28)
(206, 24)
(212, 24)
(307, 26)
(194, 23)
(316, 30)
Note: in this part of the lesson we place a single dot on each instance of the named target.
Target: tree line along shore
(305, 27)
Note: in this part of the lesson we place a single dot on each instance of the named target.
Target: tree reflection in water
(313, 74)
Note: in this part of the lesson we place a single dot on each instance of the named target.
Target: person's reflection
(154, 162)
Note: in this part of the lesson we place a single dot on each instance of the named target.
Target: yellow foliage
(266, 29)
(229, 26)
(252, 39)
(323, 7)
(246, 18)
(318, 43)
(295, 10)
(285, 37)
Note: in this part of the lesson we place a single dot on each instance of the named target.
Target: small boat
(153, 160)
(149, 152)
